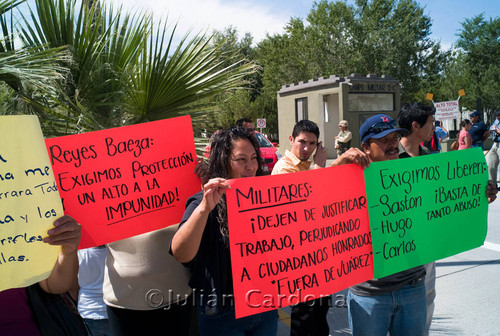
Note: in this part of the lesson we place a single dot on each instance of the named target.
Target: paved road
(467, 286)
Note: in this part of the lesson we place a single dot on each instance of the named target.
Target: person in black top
(202, 244)
(479, 131)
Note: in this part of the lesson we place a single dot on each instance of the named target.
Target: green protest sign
(426, 208)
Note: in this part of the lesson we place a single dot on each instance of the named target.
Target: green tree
(392, 37)
(123, 67)
(479, 43)
(24, 72)
(381, 36)
(239, 103)
(388, 37)
(450, 80)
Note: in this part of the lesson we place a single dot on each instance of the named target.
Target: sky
(259, 17)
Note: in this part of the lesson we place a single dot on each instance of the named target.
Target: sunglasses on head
(381, 126)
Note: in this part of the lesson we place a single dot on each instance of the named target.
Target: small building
(327, 100)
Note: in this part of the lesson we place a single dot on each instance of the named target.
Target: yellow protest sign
(29, 203)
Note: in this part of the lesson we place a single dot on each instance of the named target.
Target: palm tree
(24, 71)
(124, 69)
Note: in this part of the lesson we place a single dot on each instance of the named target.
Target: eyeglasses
(381, 126)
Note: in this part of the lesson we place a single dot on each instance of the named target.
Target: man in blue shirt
(479, 131)
(441, 134)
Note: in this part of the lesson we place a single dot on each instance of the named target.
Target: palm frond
(7, 5)
(123, 68)
(168, 85)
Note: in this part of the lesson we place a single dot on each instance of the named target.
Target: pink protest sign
(296, 237)
(125, 181)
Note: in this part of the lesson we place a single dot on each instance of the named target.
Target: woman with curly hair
(202, 240)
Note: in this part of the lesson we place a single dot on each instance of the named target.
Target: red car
(268, 151)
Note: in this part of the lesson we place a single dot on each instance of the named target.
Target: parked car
(268, 151)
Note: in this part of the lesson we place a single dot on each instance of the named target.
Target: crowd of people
(134, 287)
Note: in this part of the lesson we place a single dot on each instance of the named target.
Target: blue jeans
(402, 313)
(224, 322)
(478, 144)
(98, 327)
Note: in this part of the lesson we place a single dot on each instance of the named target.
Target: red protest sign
(297, 237)
(125, 181)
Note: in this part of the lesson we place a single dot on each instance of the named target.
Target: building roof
(333, 80)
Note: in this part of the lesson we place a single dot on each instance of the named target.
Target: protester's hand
(213, 191)
(320, 155)
(491, 191)
(66, 233)
(353, 155)
(201, 170)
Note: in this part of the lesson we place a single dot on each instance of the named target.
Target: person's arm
(444, 129)
(441, 134)
(73, 292)
(344, 136)
(320, 156)
(187, 239)
(491, 191)
(468, 141)
(64, 275)
(353, 155)
(348, 136)
(494, 128)
(486, 134)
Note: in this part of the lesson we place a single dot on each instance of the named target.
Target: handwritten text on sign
(297, 237)
(29, 203)
(447, 110)
(126, 181)
(423, 211)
